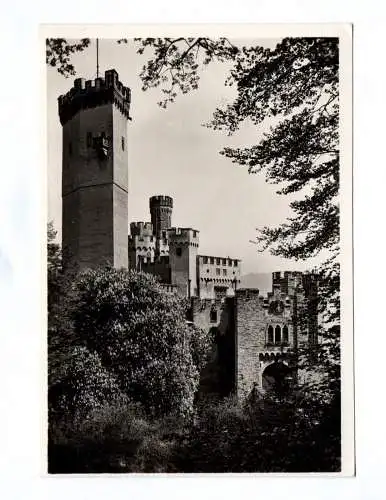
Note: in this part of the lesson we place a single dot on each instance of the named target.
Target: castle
(171, 253)
(256, 337)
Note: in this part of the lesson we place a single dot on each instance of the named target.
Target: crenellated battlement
(277, 275)
(286, 282)
(141, 228)
(269, 302)
(161, 259)
(142, 244)
(310, 284)
(183, 236)
(92, 93)
(159, 266)
(161, 201)
(205, 304)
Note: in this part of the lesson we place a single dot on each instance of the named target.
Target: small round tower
(161, 208)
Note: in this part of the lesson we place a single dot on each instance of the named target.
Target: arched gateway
(277, 377)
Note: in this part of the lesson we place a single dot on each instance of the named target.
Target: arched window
(277, 334)
(270, 334)
(285, 334)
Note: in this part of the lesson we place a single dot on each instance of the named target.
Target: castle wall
(120, 153)
(141, 243)
(183, 246)
(141, 246)
(203, 313)
(160, 268)
(250, 340)
(88, 231)
(255, 337)
(120, 217)
(141, 229)
(217, 276)
(287, 281)
(162, 246)
(264, 335)
(81, 165)
(218, 317)
(144, 244)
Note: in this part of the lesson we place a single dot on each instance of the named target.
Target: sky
(172, 153)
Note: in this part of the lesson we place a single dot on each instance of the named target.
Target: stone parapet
(87, 94)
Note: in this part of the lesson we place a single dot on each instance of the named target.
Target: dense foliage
(54, 267)
(127, 336)
(265, 436)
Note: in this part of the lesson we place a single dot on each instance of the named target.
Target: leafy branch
(59, 52)
(174, 63)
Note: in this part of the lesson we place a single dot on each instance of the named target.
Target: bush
(267, 435)
(112, 439)
(134, 335)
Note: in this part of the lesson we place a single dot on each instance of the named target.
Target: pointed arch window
(270, 334)
(277, 334)
(285, 334)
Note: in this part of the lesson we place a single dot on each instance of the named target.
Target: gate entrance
(277, 378)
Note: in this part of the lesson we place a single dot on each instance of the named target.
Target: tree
(175, 63)
(138, 335)
(60, 338)
(54, 266)
(176, 57)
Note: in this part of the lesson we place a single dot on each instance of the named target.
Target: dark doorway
(277, 378)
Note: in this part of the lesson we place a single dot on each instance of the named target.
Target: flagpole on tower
(97, 57)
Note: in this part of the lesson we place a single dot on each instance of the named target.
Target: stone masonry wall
(250, 339)
(219, 375)
(95, 200)
(88, 238)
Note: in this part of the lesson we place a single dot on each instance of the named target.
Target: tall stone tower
(161, 208)
(94, 116)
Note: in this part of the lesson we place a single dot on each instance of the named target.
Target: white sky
(171, 153)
